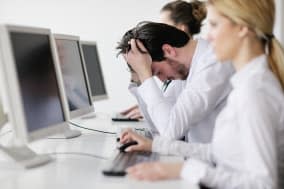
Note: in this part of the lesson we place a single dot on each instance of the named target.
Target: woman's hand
(155, 171)
(144, 144)
(132, 113)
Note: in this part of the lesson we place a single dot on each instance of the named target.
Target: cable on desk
(82, 127)
(77, 153)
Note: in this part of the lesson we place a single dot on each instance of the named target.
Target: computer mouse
(126, 145)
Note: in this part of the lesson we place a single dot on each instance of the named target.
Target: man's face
(169, 70)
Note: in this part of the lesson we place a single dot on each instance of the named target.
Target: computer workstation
(75, 78)
(76, 84)
(37, 106)
(94, 70)
(85, 75)
(95, 76)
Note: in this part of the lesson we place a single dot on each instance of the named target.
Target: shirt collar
(244, 74)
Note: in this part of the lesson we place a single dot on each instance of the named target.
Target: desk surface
(77, 163)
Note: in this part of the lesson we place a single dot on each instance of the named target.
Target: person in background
(148, 47)
(188, 17)
(247, 150)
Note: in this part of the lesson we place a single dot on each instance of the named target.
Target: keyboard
(123, 160)
(120, 117)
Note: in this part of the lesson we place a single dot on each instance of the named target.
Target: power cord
(77, 153)
(82, 127)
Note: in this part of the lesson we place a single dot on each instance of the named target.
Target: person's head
(161, 41)
(234, 23)
(186, 16)
(169, 71)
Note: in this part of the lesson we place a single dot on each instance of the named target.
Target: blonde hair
(259, 16)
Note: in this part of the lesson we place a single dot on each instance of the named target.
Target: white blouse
(247, 150)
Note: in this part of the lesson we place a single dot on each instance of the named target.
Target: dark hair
(190, 14)
(153, 36)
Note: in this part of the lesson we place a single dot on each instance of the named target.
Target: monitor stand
(25, 156)
(67, 134)
(91, 115)
(71, 133)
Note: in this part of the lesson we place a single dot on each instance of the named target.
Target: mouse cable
(77, 153)
(82, 127)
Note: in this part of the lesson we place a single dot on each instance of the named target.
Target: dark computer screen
(95, 74)
(73, 74)
(37, 79)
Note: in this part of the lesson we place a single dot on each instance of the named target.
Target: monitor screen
(94, 70)
(73, 74)
(37, 80)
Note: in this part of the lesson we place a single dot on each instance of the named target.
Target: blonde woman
(248, 144)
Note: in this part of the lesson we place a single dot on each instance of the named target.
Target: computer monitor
(94, 70)
(37, 107)
(74, 74)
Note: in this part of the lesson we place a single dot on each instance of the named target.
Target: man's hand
(144, 144)
(139, 62)
(132, 112)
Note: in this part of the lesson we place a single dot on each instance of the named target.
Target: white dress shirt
(247, 150)
(193, 112)
(170, 93)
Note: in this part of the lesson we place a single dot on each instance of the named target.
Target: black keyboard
(123, 160)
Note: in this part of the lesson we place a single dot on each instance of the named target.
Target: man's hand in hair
(139, 62)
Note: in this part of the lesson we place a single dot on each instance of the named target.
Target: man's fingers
(125, 136)
(141, 46)
(133, 46)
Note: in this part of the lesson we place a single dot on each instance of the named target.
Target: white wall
(279, 25)
(104, 21)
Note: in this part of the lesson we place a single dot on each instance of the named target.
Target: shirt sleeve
(197, 171)
(256, 125)
(166, 146)
(196, 101)
(142, 107)
(169, 95)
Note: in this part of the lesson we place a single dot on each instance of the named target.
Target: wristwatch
(137, 83)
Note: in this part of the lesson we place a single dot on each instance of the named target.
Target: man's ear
(169, 51)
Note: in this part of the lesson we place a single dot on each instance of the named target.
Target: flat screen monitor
(74, 75)
(37, 107)
(94, 70)
(34, 91)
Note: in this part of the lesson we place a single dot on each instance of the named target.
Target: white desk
(75, 170)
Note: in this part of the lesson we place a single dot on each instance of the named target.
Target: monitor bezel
(97, 97)
(15, 107)
(3, 116)
(90, 108)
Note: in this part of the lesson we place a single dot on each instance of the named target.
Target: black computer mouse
(126, 145)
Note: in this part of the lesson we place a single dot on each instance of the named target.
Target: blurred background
(103, 21)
